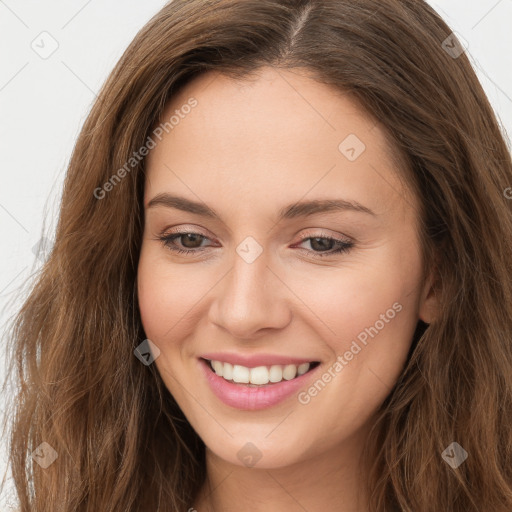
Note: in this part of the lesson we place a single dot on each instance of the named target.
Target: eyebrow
(294, 210)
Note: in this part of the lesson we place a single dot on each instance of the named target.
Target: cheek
(367, 319)
(168, 304)
(368, 312)
(351, 299)
(166, 296)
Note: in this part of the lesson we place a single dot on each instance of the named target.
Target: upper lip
(254, 360)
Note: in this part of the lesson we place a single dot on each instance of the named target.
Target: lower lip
(248, 398)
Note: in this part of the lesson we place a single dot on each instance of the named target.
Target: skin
(246, 150)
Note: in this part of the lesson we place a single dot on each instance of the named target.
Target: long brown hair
(122, 442)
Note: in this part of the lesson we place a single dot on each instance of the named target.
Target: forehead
(280, 132)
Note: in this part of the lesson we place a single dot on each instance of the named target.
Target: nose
(251, 299)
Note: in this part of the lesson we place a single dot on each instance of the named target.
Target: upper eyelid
(192, 228)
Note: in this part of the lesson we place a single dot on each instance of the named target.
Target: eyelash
(343, 246)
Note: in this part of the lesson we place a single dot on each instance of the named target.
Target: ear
(429, 303)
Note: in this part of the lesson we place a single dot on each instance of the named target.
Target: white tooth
(228, 371)
(276, 373)
(259, 375)
(289, 371)
(240, 374)
(303, 368)
(217, 367)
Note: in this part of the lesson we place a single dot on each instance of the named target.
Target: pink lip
(242, 396)
(252, 361)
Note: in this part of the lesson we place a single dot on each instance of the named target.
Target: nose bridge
(250, 298)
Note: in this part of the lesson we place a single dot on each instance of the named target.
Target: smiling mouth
(261, 375)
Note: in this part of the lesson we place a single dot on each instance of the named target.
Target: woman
(281, 277)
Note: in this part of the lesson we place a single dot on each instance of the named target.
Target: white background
(43, 103)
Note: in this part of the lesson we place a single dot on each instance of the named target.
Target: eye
(323, 245)
(188, 239)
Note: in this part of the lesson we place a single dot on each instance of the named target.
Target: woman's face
(272, 177)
